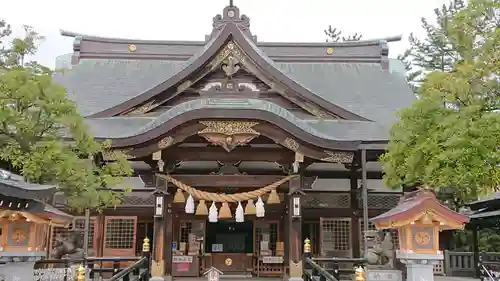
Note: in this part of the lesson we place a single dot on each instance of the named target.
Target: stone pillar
(419, 266)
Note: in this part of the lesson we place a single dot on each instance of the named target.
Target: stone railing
(462, 263)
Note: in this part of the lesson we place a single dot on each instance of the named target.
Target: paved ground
(23, 271)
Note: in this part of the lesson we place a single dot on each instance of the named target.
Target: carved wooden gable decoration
(231, 73)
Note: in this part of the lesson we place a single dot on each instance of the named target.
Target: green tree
(335, 35)
(36, 121)
(434, 52)
(450, 137)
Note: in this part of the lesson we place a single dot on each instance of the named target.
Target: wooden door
(335, 236)
(120, 236)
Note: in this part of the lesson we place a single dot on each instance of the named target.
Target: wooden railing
(96, 268)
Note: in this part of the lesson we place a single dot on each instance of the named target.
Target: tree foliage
(434, 52)
(335, 35)
(450, 137)
(36, 117)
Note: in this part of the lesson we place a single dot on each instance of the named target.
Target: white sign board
(272, 259)
(217, 247)
(182, 259)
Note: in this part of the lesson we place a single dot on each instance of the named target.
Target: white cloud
(271, 20)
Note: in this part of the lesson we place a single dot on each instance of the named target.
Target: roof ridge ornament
(231, 14)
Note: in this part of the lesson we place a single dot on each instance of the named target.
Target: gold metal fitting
(307, 245)
(80, 273)
(360, 274)
(145, 246)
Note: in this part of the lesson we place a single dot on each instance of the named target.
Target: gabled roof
(14, 186)
(415, 205)
(354, 80)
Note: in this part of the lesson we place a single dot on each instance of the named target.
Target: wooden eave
(231, 114)
(413, 209)
(231, 31)
(87, 46)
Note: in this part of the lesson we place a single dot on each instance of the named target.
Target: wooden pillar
(475, 248)
(157, 264)
(295, 230)
(286, 230)
(355, 225)
(364, 183)
(167, 236)
(101, 226)
(286, 237)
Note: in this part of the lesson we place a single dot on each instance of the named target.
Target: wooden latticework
(335, 236)
(383, 201)
(120, 236)
(271, 228)
(327, 200)
(265, 227)
(184, 231)
(79, 225)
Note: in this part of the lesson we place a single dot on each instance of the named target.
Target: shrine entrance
(230, 245)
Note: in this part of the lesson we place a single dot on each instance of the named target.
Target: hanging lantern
(189, 208)
(212, 213)
(201, 209)
(259, 208)
(273, 197)
(225, 212)
(250, 208)
(179, 196)
(239, 214)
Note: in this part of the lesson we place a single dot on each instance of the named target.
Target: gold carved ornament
(113, 154)
(19, 235)
(291, 144)
(165, 142)
(142, 109)
(229, 134)
(338, 157)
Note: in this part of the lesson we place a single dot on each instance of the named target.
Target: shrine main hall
(241, 149)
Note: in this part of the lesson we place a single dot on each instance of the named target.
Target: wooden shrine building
(26, 218)
(241, 148)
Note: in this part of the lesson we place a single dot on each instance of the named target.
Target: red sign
(183, 267)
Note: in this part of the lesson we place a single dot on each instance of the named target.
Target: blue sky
(271, 20)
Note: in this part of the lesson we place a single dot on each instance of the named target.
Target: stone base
(419, 272)
(21, 256)
(156, 278)
(295, 279)
(383, 275)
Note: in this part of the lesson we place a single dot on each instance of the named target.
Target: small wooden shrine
(419, 217)
(25, 220)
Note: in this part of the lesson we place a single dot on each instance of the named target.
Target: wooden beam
(310, 213)
(320, 174)
(237, 154)
(235, 181)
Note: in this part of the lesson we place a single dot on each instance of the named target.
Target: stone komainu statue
(380, 252)
(68, 248)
